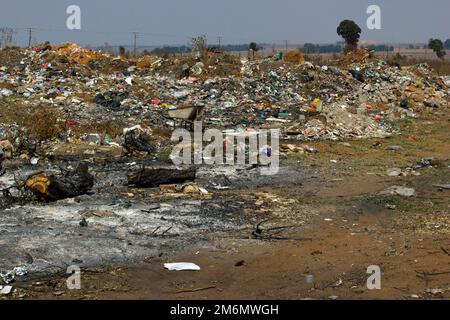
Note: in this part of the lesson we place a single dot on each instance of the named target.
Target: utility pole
(286, 45)
(219, 40)
(30, 32)
(135, 43)
(6, 37)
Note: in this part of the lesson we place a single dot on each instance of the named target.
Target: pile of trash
(86, 91)
(75, 54)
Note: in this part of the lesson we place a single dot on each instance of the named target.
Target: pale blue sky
(237, 21)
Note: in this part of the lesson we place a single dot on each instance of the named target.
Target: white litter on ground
(181, 266)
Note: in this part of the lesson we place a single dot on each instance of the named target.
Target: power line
(137, 34)
(135, 42)
(30, 32)
(141, 33)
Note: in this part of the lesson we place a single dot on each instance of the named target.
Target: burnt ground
(317, 217)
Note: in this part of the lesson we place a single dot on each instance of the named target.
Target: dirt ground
(324, 233)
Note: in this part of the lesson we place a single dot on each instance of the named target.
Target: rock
(401, 191)
(394, 172)
(83, 223)
(394, 148)
(346, 144)
(442, 186)
(404, 104)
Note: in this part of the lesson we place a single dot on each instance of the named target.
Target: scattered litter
(426, 162)
(10, 276)
(435, 291)
(20, 271)
(6, 290)
(390, 206)
(34, 161)
(182, 266)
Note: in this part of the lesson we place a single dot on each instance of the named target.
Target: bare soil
(332, 226)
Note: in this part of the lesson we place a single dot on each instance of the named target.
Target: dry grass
(41, 122)
(442, 67)
(44, 123)
(295, 57)
(317, 59)
(113, 129)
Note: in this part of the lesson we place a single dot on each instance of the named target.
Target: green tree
(309, 47)
(350, 32)
(253, 47)
(438, 47)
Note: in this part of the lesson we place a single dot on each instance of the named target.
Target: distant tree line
(447, 44)
(310, 48)
(185, 48)
(171, 49)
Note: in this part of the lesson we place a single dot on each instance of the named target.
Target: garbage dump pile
(80, 130)
(92, 96)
